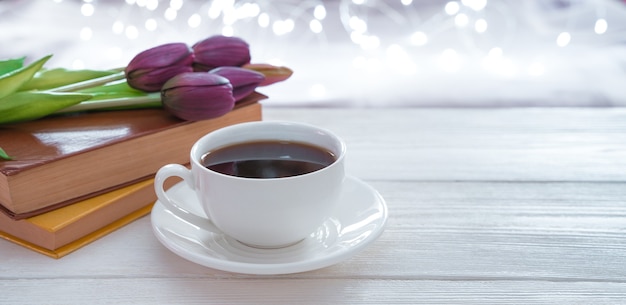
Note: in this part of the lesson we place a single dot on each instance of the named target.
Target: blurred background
(358, 53)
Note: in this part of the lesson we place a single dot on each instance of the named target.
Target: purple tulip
(217, 51)
(244, 81)
(197, 96)
(150, 69)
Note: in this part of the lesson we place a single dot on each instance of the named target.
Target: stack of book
(76, 178)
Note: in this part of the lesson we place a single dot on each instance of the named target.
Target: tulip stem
(151, 100)
(90, 83)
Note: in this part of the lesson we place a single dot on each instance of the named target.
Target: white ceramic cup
(259, 212)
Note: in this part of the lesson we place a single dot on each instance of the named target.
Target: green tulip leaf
(4, 155)
(9, 65)
(32, 105)
(12, 81)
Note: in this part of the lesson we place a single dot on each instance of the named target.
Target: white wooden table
(487, 206)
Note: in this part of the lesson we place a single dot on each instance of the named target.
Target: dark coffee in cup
(268, 159)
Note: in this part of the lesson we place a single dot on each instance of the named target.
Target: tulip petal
(273, 74)
(160, 56)
(244, 81)
(218, 51)
(152, 80)
(197, 96)
(150, 69)
(197, 79)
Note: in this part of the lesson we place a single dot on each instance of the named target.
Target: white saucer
(359, 220)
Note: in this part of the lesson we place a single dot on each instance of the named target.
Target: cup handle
(177, 170)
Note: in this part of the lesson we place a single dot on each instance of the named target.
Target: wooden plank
(308, 291)
(490, 231)
(477, 145)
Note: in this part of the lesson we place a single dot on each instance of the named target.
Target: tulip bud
(273, 74)
(197, 96)
(150, 69)
(244, 81)
(217, 51)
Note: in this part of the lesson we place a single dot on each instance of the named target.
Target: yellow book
(64, 230)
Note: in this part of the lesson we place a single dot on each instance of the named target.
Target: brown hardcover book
(61, 231)
(65, 159)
